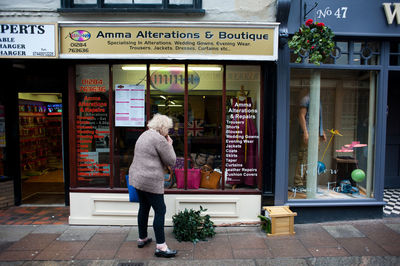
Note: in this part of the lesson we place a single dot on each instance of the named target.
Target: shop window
(166, 6)
(92, 123)
(216, 115)
(242, 126)
(349, 53)
(394, 53)
(331, 134)
(129, 92)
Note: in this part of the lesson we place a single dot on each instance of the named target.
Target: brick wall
(6, 194)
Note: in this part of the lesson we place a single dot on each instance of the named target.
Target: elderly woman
(153, 153)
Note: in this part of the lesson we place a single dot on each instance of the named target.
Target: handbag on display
(133, 196)
(169, 178)
(209, 178)
(193, 178)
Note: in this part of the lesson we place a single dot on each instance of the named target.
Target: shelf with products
(36, 138)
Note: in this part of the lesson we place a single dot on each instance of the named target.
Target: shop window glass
(242, 126)
(92, 126)
(337, 110)
(349, 52)
(205, 120)
(394, 53)
(200, 141)
(129, 90)
(167, 89)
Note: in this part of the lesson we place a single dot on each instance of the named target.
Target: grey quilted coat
(152, 154)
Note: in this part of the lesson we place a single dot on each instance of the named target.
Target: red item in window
(193, 179)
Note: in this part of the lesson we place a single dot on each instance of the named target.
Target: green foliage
(265, 224)
(314, 39)
(190, 225)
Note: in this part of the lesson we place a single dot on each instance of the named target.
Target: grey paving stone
(173, 262)
(11, 263)
(281, 262)
(364, 260)
(51, 229)
(133, 234)
(394, 227)
(12, 233)
(78, 233)
(343, 231)
(114, 229)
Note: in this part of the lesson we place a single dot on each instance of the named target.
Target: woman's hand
(170, 141)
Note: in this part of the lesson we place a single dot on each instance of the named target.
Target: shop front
(215, 80)
(32, 104)
(334, 117)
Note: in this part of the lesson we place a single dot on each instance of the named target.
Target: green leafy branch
(314, 40)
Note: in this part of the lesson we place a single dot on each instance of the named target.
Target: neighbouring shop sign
(352, 18)
(30, 40)
(193, 41)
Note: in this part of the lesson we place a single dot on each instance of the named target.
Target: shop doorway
(392, 164)
(40, 140)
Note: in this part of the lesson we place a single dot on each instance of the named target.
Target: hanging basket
(313, 40)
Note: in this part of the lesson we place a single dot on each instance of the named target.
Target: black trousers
(146, 201)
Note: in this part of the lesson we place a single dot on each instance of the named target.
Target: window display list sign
(241, 144)
(93, 134)
(129, 105)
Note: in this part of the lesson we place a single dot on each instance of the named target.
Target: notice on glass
(129, 105)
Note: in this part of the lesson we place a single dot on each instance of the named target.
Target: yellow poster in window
(169, 42)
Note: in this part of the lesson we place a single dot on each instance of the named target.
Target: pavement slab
(315, 236)
(337, 251)
(343, 231)
(11, 233)
(362, 247)
(33, 242)
(284, 247)
(394, 227)
(78, 233)
(61, 250)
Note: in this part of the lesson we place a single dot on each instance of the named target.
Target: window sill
(334, 203)
(241, 191)
(130, 10)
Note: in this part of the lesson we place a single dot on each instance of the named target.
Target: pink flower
(320, 24)
(309, 22)
(312, 47)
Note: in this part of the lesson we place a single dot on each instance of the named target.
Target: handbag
(169, 178)
(133, 195)
(209, 178)
(193, 178)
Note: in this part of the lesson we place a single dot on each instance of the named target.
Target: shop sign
(380, 18)
(171, 41)
(28, 40)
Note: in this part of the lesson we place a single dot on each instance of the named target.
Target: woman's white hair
(160, 123)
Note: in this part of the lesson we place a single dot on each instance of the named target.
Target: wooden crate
(282, 220)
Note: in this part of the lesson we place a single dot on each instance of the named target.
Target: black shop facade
(356, 147)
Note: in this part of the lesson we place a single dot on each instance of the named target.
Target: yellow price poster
(185, 42)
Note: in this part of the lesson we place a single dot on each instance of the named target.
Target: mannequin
(301, 165)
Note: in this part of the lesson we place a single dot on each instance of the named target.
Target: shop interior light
(205, 68)
(163, 97)
(133, 68)
(196, 68)
(170, 105)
